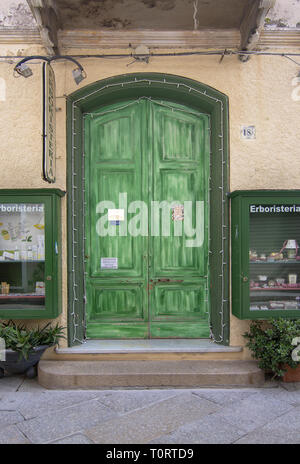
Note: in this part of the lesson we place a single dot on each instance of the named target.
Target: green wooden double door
(146, 226)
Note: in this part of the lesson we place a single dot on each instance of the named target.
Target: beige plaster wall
(21, 140)
(259, 91)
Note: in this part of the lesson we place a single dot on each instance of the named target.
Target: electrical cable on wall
(224, 52)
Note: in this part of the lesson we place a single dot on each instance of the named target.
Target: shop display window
(29, 253)
(266, 254)
(274, 257)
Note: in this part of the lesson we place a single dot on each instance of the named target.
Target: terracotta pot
(292, 374)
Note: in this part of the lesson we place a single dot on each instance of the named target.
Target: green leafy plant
(24, 340)
(271, 344)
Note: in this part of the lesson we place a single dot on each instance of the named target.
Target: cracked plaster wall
(286, 13)
(16, 14)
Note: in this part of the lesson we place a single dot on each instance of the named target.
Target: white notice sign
(115, 214)
(109, 263)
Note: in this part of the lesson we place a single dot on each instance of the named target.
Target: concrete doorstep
(147, 374)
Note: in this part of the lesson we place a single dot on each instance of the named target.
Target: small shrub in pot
(24, 346)
(271, 344)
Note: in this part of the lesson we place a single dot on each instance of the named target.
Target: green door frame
(176, 89)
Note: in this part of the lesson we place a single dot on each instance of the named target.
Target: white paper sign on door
(115, 214)
(109, 263)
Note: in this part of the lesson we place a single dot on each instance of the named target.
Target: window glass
(274, 256)
(22, 255)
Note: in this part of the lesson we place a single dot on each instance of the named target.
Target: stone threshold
(149, 346)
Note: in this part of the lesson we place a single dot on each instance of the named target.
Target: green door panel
(180, 330)
(114, 166)
(112, 134)
(180, 174)
(109, 183)
(116, 311)
(150, 152)
(116, 302)
(182, 302)
(120, 330)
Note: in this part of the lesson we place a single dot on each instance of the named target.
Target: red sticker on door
(178, 213)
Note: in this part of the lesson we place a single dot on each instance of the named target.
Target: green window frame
(50, 198)
(246, 272)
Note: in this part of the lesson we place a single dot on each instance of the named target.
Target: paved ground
(31, 414)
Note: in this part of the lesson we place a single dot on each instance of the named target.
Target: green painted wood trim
(76, 310)
(176, 89)
(135, 330)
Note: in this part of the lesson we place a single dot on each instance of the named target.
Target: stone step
(146, 350)
(145, 374)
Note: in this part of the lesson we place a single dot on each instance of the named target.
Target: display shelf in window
(265, 253)
(30, 254)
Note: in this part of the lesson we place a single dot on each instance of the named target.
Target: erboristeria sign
(21, 208)
(274, 208)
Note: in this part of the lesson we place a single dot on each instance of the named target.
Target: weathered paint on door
(148, 152)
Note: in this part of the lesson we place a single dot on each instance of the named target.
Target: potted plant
(24, 346)
(271, 344)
